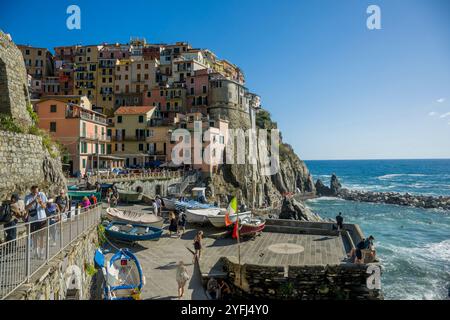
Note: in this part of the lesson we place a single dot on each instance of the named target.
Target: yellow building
(137, 137)
(85, 72)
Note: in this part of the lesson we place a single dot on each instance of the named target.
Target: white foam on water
(396, 175)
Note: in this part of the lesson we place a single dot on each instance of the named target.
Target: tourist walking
(198, 246)
(182, 277)
(10, 214)
(53, 213)
(182, 219)
(159, 204)
(62, 201)
(86, 203)
(35, 204)
(340, 221)
(173, 225)
(155, 208)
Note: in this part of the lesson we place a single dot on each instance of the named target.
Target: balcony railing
(93, 117)
(99, 137)
(128, 138)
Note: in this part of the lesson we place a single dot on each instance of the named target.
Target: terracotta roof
(134, 110)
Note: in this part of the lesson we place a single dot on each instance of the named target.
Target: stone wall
(14, 96)
(149, 188)
(338, 282)
(25, 162)
(53, 281)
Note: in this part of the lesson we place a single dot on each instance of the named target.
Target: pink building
(81, 130)
(197, 87)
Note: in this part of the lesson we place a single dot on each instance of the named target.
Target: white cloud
(432, 113)
(445, 115)
(440, 100)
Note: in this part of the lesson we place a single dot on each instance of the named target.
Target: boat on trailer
(133, 217)
(132, 233)
(218, 221)
(122, 274)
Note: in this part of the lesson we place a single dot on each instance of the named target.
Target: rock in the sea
(335, 185)
(322, 190)
(296, 210)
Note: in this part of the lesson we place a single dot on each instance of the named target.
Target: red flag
(236, 230)
(228, 222)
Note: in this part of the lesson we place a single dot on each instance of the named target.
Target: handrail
(31, 250)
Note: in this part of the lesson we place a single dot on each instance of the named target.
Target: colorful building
(81, 130)
(134, 136)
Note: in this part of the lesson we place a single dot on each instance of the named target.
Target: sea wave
(396, 175)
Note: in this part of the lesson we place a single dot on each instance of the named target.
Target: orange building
(81, 130)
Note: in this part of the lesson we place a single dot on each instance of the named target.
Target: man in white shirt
(35, 204)
(155, 207)
(159, 204)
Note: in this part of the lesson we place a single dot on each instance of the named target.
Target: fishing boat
(133, 217)
(129, 196)
(123, 275)
(250, 226)
(201, 215)
(218, 221)
(126, 232)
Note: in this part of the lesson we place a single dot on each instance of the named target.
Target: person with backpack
(53, 213)
(35, 204)
(10, 214)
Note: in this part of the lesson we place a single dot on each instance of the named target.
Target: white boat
(201, 215)
(169, 204)
(133, 217)
(218, 221)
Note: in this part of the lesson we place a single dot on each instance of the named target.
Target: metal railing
(110, 177)
(30, 251)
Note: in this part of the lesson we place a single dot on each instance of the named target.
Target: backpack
(5, 212)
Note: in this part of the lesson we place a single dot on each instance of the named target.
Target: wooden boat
(218, 221)
(123, 275)
(133, 217)
(201, 215)
(132, 232)
(251, 226)
(129, 196)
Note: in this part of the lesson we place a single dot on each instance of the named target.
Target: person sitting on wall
(364, 244)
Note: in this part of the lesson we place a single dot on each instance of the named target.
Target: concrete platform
(160, 258)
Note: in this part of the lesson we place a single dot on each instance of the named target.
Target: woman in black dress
(173, 227)
(198, 245)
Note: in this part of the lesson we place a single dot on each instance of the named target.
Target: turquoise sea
(413, 244)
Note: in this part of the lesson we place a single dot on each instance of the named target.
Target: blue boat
(192, 204)
(123, 275)
(126, 232)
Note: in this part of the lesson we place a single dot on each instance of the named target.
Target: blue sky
(337, 89)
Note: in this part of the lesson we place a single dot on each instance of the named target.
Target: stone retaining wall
(149, 188)
(346, 281)
(25, 162)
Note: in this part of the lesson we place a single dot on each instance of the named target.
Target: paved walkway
(159, 260)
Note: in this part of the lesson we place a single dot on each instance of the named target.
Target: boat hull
(252, 227)
(169, 204)
(200, 216)
(132, 232)
(219, 220)
(134, 218)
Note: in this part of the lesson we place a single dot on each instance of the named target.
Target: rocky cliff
(25, 159)
(249, 184)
